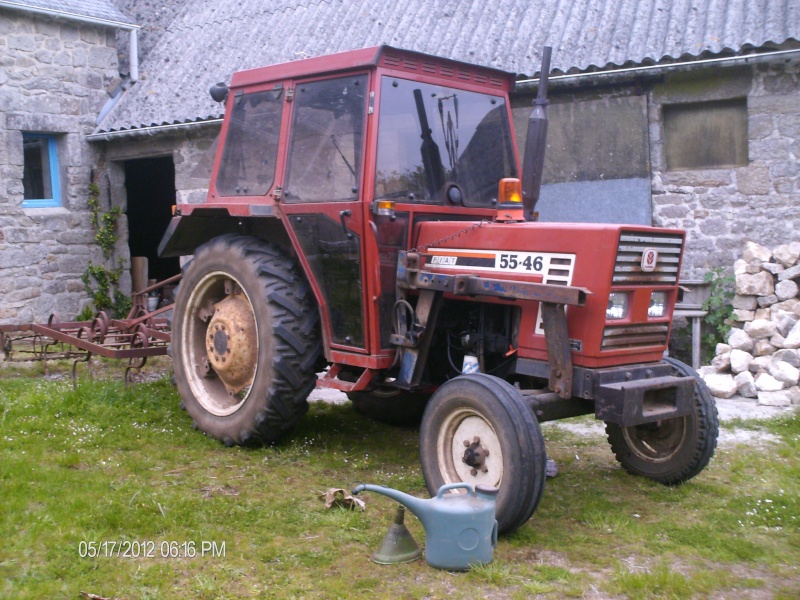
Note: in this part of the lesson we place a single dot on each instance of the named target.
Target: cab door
(322, 183)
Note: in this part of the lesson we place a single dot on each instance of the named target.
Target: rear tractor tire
(245, 340)
(477, 429)
(391, 406)
(673, 450)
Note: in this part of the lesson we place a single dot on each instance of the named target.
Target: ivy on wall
(102, 281)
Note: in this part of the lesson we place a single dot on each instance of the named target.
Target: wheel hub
(231, 344)
(221, 341)
(464, 440)
(475, 456)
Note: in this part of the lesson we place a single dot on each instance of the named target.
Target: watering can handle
(453, 486)
(494, 534)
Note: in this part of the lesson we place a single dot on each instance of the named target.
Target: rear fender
(187, 232)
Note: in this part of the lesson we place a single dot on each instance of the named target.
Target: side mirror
(219, 92)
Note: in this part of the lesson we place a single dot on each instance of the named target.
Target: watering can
(460, 529)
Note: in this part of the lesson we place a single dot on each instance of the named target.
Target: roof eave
(135, 132)
(661, 68)
(22, 6)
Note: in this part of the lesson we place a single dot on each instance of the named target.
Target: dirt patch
(736, 408)
(748, 437)
(328, 395)
(217, 490)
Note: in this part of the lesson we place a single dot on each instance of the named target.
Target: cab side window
(326, 140)
(251, 145)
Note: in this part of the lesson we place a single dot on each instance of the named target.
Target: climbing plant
(720, 312)
(102, 281)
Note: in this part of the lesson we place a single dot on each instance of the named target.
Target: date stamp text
(150, 549)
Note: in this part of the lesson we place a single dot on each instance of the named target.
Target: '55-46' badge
(649, 260)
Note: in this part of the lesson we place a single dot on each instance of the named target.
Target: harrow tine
(87, 360)
(131, 367)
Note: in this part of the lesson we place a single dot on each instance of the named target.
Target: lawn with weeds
(109, 491)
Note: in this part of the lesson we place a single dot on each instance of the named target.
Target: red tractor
(367, 217)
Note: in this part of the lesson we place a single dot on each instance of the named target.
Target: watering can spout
(414, 504)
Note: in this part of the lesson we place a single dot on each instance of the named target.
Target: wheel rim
(656, 443)
(462, 426)
(220, 338)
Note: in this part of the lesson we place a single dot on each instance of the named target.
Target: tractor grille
(628, 267)
(635, 336)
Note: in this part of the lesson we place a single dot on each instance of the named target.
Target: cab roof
(382, 56)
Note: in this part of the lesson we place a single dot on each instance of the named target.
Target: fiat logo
(649, 260)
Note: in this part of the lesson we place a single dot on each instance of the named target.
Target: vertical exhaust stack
(536, 143)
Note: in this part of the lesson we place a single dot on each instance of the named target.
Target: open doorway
(150, 186)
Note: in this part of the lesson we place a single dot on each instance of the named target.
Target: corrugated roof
(103, 10)
(210, 39)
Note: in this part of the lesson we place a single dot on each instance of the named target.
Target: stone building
(58, 65)
(671, 113)
(711, 147)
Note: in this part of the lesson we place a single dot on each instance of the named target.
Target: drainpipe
(133, 55)
(110, 103)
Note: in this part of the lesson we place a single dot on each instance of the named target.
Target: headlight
(617, 306)
(658, 304)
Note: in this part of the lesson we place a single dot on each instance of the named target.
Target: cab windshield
(431, 138)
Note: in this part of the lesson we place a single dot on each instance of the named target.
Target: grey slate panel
(624, 201)
(210, 39)
(95, 9)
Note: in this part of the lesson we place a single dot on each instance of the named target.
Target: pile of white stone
(761, 359)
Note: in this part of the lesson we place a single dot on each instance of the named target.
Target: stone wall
(762, 357)
(721, 208)
(54, 78)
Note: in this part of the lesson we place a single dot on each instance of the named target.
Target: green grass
(105, 464)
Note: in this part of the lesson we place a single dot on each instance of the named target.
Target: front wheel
(673, 450)
(477, 429)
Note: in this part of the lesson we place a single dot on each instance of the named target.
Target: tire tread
(294, 336)
(706, 441)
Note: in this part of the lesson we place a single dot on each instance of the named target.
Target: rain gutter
(147, 131)
(664, 68)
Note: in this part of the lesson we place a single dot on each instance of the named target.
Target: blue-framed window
(40, 181)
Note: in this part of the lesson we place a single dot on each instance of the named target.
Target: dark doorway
(150, 185)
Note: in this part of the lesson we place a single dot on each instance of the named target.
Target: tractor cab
(352, 152)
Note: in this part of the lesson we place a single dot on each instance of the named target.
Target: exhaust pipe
(535, 143)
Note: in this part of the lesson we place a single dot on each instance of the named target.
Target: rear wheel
(673, 450)
(391, 406)
(245, 340)
(477, 429)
